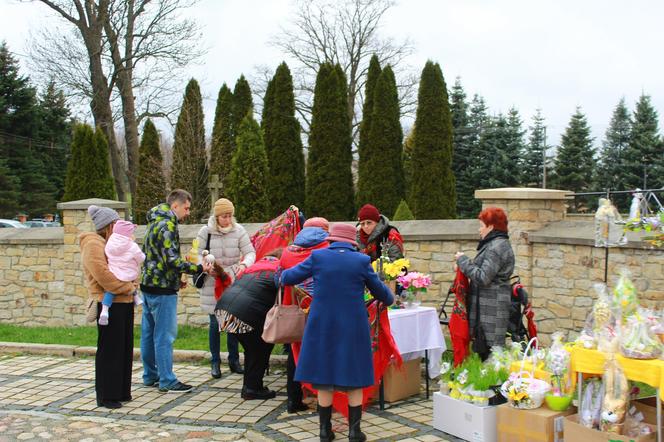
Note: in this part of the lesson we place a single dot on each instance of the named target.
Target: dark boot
(354, 419)
(235, 367)
(216, 370)
(325, 416)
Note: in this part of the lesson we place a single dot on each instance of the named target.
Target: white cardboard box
(461, 419)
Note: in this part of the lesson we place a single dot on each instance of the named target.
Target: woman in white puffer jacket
(232, 249)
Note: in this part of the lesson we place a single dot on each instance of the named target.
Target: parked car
(11, 223)
(35, 223)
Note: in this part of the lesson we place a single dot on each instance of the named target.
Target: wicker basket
(536, 389)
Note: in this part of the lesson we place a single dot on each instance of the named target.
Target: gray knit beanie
(102, 216)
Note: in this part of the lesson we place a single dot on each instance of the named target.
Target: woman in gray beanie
(115, 342)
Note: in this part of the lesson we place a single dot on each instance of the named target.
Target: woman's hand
(207, 268)
(458, 255)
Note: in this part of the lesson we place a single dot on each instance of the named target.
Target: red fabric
(530, 316)
(371, 249)
(459, 330)
(221, 283)
(278, 233)
(265, 264)
(292, 256)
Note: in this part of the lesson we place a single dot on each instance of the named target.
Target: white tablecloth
(416, 330)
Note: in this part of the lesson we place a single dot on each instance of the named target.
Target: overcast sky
(555, 55)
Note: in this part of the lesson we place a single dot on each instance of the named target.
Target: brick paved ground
(52, 398)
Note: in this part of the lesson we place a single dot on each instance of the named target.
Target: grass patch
(189, 338)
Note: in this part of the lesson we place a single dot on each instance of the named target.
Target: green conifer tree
(75, 179)
(407, 161)
(434, 188)
(223, 143)
(150, 183)
(249, 173)
(532, 171)
(575, 162)
(55, 129)
(9, 191)
(478, 122)
(403, 212)
(611, 168)
(329, 189)
(189, 170)
(643, 165)
(384, 184)
(88, 168)
(462, 161)
(498, 165)
(516, 147)
(98, 167)
(283, 144)
(242, 103)
(363, 170)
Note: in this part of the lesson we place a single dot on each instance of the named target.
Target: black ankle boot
(215, 371)
(354, 419)
(325, 416)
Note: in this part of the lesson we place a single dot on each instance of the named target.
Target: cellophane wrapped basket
(522, 390)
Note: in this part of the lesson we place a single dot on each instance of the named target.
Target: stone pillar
(75, 220)
(528, 209)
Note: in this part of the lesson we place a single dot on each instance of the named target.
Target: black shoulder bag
(199, 279)
(479, 345)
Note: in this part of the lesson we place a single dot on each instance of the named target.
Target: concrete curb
(72, 351)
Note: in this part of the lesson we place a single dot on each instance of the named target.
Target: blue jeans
(159, 328)
(215, 343)
(108, 299)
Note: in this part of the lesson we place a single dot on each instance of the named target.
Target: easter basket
(522, 390)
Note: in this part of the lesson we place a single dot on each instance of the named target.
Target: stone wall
(43, 280)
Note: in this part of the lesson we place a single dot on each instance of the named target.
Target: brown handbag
(284, 324)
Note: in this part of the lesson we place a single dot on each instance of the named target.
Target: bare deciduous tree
(126, 57)
(344, 32)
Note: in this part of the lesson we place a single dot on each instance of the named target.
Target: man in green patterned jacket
(160, 283)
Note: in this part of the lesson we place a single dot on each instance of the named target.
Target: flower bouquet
(653, 225)
(521, 389)
(414, 284)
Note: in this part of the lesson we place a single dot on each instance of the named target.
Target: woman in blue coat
(336, 346)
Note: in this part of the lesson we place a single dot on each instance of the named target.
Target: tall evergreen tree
(96, 163)
(75, 180)
(384, 183)
(55, 129)
(283, 144)
(150, 183)
(516, 147)
(9, 191)
(88, 168)
(223, 143)
(462, 160)
(532, 170)
(189, 170)
(249, 173)
(407, 161)
(242, 103)
(478, 122)
(644, 158)
(498, 165)
(19, 113)
(574, 165)
(610, 169)
(329, 190)
(434, 188)
(363, 171)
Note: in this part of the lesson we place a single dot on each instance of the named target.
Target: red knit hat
(368, 212)
(343, 233)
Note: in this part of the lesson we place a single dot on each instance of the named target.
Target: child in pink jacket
(124, 261)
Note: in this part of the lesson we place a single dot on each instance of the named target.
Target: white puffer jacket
(230, 249)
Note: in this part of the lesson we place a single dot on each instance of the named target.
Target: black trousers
(293, 387)
(256, 358)
(115, 352)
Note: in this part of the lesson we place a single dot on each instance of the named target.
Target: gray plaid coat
(490, 273)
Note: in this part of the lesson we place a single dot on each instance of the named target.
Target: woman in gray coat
(489, 275)
(232, 250)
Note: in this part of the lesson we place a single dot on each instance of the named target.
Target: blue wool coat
(336, 347)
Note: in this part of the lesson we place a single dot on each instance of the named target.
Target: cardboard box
(402, 383)
(461, 419)
(575, 432)
(540, 424)
(647, 406)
